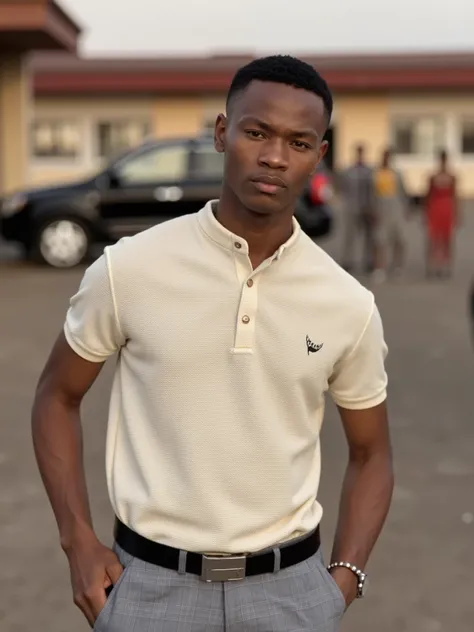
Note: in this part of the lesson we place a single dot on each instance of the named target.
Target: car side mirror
(108, 179)
(114, 178)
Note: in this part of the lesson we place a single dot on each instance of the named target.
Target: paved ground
(422, 568)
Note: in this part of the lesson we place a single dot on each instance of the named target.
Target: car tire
(61, 242)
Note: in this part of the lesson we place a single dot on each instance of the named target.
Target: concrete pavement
(421, 572)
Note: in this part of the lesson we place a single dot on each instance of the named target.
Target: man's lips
(269, 184)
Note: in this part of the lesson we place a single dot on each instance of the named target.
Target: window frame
(102, 120)
(415, 119)
(56, 121)
(466, 118)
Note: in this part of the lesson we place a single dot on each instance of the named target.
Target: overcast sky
(154, 27)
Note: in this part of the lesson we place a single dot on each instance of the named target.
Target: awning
(27, 25)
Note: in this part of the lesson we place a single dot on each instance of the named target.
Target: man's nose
(275, 155)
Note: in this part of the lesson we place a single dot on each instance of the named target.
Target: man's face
(272, 140)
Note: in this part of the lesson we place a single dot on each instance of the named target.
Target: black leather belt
(215, 568)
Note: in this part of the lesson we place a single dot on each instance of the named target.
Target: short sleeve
(92, 326)
(359, 380)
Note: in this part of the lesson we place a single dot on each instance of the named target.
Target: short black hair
(283, 69)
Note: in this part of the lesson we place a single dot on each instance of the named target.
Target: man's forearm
(365, 501)
(57, 439)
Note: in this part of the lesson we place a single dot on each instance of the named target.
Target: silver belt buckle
(223, 569)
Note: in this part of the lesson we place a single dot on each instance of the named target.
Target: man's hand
(94, 568)
(347, 583)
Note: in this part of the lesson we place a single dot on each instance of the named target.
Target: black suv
(153, 183)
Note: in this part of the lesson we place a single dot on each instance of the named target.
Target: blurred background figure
(355, 187)
(471, 309)
(441, 218)
(391, 206)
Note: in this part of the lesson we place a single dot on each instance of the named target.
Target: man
(356, 190)
(230, 325)
(391, 212)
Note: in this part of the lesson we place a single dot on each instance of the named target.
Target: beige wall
(360, 119)
(50, 175)
(14, 122)
(178, 116)
(365, 119)
(212, 106)
(356, 119)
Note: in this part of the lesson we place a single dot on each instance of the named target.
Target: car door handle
(168, 194)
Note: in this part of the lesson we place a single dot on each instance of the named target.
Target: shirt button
(238, 245)
(250, 282)
(245, 319)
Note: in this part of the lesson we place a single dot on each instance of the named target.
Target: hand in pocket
(95, 569)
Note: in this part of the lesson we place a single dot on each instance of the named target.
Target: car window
(206, 163)
(159, 164)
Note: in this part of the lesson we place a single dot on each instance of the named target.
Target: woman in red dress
(441, 218)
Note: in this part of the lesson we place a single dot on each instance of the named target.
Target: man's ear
(323, 148)
(219, 133)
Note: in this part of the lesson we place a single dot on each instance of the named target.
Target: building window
(420, 136)
(56, 139)
(467, 136)
(117, 137)
(158, 164)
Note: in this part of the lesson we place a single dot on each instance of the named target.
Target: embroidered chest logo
(312, 348)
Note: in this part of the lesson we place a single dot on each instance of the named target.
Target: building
(85, 110)
(25, 26)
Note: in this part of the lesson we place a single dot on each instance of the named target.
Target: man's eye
(253, 133)
(300, 145)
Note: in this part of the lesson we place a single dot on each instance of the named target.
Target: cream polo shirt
(219, 390)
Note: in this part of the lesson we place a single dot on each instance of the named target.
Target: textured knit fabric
(302, 598)
(219, 391)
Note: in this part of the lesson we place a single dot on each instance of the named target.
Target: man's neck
(264, 234)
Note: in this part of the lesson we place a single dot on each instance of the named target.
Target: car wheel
(62, 242)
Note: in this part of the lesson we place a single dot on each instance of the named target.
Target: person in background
(471, 308)
(441, 218)
(356, 191)
(391, 211)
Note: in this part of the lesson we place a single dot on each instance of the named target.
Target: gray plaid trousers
(148, 598)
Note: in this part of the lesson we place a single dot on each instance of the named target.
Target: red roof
(68, 75)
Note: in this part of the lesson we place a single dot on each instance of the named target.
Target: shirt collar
(225, 238)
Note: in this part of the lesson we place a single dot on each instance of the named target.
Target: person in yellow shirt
(391, 207)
